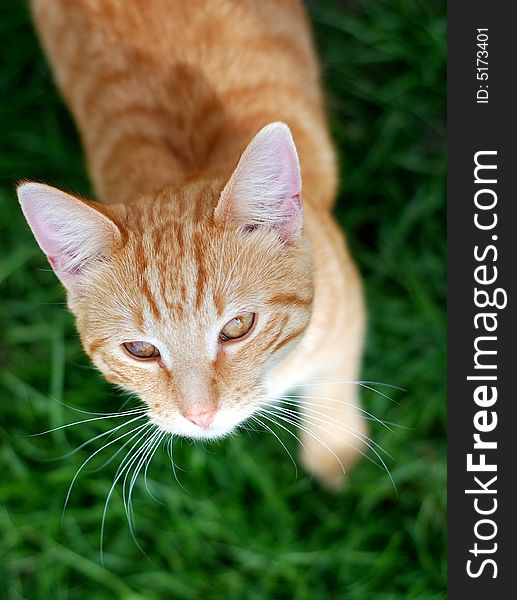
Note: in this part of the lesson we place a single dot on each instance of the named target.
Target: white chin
(210, 433)
(184, 428)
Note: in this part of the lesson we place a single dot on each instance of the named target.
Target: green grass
(244, 527)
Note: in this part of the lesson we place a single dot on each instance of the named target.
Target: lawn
(240, 524)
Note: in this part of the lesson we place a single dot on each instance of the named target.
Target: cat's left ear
(73, 233)
(265, 188)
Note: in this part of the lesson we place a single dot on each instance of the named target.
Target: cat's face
(215, 308)
(188, 297)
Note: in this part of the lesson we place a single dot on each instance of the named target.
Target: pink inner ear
(69, 231)
(45, 234)
(290, 171)
(294, 221)
(53, 245)
(265, 188)
(63, 267)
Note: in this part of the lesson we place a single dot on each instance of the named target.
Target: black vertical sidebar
(482, 118)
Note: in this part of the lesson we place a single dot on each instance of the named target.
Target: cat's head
(190, 296)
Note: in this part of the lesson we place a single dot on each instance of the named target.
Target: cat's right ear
(71, 232)
(265, 188)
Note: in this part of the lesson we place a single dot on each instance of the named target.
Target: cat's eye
(141, 350)
(238, 327)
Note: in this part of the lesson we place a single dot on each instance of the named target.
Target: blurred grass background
(244, 527)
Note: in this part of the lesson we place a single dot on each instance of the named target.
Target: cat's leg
(333, 428)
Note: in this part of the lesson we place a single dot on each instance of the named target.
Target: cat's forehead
(183, 274)
(192, 203)
(190, 277)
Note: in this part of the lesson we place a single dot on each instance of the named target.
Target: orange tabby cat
(200, 283)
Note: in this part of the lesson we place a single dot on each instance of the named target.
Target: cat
(199, 280)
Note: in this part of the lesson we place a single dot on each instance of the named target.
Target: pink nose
(203, 418)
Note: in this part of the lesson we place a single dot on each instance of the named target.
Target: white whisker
(86, 421)
(285, 429)
(354, 434)
(338, 425)
(280, 441)
(299, 401)
(144, 453)
(104, 433)
(148, 462)
(327, 419)
(136, 429)
(125, 464)
(359, 383)
(88, 412)
(342, 402)
(170, 452)
(112, 457)
(306, 430)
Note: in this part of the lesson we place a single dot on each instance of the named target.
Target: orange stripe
(150, 299)
(287, 339)
(125, 143)
(138, 316)
(95, 345)
(218, 300)
(202, 275)
(278, 332)
(290, 299)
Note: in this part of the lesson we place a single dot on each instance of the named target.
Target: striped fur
(167, 95)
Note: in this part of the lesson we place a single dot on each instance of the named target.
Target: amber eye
(238, 327)
(141, 350)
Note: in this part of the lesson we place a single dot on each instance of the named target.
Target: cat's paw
(330, 468)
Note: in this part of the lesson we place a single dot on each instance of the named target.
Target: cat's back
(182, 86)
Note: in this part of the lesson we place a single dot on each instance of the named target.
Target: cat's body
(167, 95)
